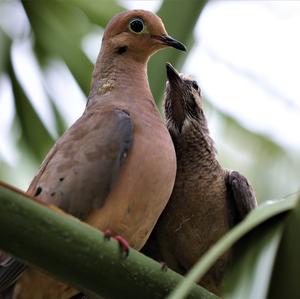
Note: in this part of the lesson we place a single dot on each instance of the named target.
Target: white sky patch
(152, 5)
(13, 9)
(247, 63)
(7, 108)
(29, 75)
(65, 92)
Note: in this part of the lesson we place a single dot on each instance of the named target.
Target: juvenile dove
(115, 166)
(207, 200)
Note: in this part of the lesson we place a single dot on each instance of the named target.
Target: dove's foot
(124, 246)
(107, 234)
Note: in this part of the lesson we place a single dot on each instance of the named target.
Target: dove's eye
(136, 25)
(196, 87)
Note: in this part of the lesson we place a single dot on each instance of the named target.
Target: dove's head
(137, 34)
(183, 101)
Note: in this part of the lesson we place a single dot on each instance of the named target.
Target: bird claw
(124, 246)
(164, 266)
(107, 234)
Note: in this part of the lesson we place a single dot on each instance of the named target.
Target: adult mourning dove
(207, 200)
(115, 166)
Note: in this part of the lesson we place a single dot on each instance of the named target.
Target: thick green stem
(79, 254)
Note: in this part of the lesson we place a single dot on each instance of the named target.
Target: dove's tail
(10, 270)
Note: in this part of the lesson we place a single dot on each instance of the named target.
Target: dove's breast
(145, 181)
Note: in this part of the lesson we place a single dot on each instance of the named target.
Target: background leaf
(33, 132)
(5, 45)
(285, 279)
(58, 29)
(254, 257)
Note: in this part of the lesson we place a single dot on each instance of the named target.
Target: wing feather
(241, 196)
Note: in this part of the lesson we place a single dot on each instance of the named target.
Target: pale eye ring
(136, 25)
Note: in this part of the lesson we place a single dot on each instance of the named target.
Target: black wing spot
(61, 179)
(52, 194)
(38, 191)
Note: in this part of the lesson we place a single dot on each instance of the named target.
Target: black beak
(175, 96)
(170, 41)
(173, 76)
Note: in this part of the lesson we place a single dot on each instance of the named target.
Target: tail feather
(10, 270)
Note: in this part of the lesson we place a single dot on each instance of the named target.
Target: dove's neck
(121, 76)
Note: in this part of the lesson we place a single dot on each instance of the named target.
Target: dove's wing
(241, 196)
(80, 170)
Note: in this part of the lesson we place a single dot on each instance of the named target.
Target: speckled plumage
(203, 205)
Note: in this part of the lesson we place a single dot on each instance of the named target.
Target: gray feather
(10, 271)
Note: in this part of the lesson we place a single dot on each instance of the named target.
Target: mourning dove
(115, 166)
(207, 200)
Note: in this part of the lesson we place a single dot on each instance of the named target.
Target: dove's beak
(170, 41)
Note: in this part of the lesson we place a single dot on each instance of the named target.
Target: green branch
(78, 254)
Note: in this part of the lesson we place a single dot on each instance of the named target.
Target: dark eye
(136, 25)
(195, 86)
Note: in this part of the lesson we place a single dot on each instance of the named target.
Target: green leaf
(286, 274)
(58, 30)
(261, 214)
(254, 257)
(61, 125)
(98, 11)
(5, 44)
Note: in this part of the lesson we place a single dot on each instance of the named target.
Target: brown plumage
(115, 167)
(206, 200)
